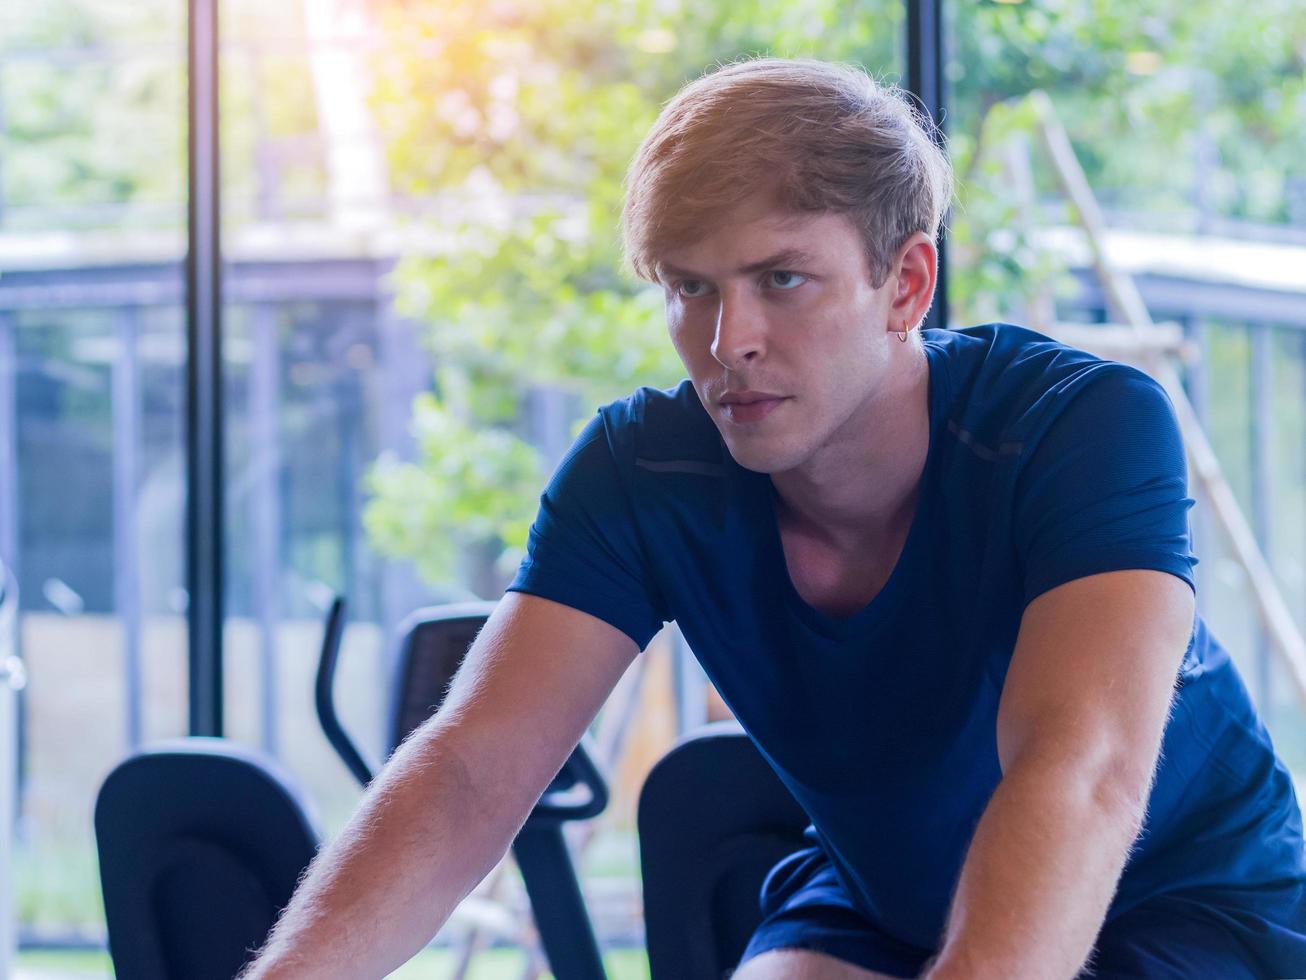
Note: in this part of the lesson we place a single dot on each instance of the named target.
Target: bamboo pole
(1117, 343)
(1127, 304)
(474, 940)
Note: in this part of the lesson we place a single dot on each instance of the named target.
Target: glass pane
(1182, 119)
(92, 232)
(421, 208)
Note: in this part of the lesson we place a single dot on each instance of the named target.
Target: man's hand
(1083, 711)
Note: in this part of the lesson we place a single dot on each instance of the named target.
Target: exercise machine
(201, 841)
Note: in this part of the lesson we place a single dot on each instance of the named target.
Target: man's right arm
(450, 801)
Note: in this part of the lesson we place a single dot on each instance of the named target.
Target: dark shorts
(1220, 935)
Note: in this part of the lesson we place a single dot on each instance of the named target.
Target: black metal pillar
(127, 439)
(926, 80)
(204, 565)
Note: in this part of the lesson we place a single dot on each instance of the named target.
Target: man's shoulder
(996, 360)
(663, 423)
(1007, 382)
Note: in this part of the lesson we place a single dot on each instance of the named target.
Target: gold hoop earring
(902, 335)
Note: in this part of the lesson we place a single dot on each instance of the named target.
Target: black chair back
(713, 819)
(201, 842)
(434, 641)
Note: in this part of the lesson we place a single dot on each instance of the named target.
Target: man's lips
(746, 397)
(753, 411)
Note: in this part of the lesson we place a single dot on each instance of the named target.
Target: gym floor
(432, 964)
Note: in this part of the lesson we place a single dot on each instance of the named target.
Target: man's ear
(914, 269)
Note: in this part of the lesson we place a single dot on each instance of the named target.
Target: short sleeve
(584, 550)
(1106, 487)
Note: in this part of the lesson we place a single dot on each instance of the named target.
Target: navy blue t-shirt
(1045, 464)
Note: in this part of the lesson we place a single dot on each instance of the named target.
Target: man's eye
(688, 282)
(790, 275)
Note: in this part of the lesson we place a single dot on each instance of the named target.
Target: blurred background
(422, 302)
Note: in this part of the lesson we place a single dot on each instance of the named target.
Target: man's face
(806, 326)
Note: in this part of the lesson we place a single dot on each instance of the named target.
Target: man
(943, 581)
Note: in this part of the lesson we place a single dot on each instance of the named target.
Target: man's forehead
(785, 256)
(748, 247)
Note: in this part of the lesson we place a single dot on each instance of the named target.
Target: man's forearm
(1038, 879)
(423, 837)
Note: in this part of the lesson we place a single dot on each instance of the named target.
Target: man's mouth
(743, 413)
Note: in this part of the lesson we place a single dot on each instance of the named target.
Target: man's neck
(862, 489)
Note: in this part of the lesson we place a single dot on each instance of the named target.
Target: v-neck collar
(890, 594)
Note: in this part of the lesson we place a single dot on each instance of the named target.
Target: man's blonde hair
(819, 136)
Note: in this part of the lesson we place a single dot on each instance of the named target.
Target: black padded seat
(201, 842)
(713, 820)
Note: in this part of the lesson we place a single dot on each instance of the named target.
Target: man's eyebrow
(788, 256)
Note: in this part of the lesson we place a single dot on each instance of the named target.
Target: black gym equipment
(713, 819)
(435, 640)
(201, 841)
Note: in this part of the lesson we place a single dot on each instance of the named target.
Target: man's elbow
(1110, 782)
(1122, 787)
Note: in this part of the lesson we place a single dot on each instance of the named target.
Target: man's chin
(759, 460)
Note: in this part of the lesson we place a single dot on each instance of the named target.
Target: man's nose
(739, 331)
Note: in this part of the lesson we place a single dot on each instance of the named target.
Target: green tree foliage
(511, 123)
(533, 111)
(1179, 112)
(526, 116)
(82, 129)
(1143, 87)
